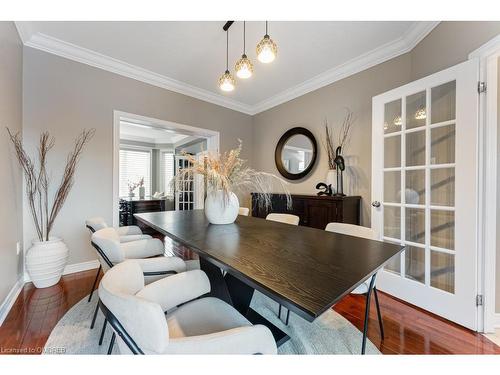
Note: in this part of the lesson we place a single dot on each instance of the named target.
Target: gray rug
(328, 334)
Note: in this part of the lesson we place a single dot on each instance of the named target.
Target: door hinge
(479, 300)
(481, 87)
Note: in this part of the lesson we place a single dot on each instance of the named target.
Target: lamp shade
(244, 67)
(227, 82)
(266, 50)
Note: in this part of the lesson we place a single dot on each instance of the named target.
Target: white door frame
(488, 55)
(212, 136)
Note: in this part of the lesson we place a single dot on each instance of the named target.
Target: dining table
(304, 269)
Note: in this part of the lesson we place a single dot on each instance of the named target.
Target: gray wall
(11, 226)
(449, 44)
(310, 111)
(63, 97)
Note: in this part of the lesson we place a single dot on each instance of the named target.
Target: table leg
(239, 295)
(367, 313)
(217, 283)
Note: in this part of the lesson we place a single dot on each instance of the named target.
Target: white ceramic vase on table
(220, 209)
(45, 261)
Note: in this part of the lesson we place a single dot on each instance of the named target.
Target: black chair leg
(287, 317)
(367, 314)
(380, 322)
(110, 349)
(95, 315)
(279, 312)
(95, 282)
(102, 332)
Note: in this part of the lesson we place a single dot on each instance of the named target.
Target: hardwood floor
(36, 312)
(408, 330)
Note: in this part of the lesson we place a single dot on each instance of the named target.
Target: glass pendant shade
(244, 67)
(266, 50)
(226, 81)
(420, 114)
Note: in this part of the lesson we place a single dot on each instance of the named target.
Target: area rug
(328, 334)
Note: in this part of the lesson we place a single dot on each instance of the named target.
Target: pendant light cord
(244, 30)
(227, 49)
(266, 27)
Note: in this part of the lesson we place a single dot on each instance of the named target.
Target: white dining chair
(126, 233)
(173, 316)
(287, 219)
(364, 288)
(110, 251)
(284, 218)
(244, 211)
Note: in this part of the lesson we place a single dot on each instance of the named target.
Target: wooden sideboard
(131, 206)
(314, 211)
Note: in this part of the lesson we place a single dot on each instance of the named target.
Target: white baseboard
(10, 299)
(79, 267)
(72, 268)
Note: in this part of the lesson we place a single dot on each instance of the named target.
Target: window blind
(167, 172)
(134, 164)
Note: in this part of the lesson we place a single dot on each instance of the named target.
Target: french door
(185, 194)
(424, 190)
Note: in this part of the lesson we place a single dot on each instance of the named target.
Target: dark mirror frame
(279, 148)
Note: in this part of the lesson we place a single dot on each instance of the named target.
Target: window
(134, 165)
(167, 172)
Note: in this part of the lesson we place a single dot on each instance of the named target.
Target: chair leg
(95, 282)
(380, 322)
(95, 315)
(367, 313)
(279, 312)
(287, 317)
(102, 332)
(110, 349)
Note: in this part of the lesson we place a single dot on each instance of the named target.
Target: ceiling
(188, 57)
(145, 133)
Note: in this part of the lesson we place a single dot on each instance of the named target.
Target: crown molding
(365, 61)
(388, 51)
(22, 31)
(83, 55)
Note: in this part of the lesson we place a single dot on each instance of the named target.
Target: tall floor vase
(45, 261)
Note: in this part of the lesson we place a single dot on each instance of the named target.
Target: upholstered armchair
(171, 316)
(145, 251)
(126, 234)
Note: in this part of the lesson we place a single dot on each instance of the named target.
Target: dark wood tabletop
(305, 269)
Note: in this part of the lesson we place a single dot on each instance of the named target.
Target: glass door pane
(419, 157)
(416, 111)
(443, 102)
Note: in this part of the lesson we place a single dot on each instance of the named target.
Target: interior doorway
(147, 154)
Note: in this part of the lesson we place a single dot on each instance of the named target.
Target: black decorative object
(327, 189)
(339, 161)
(284, 169)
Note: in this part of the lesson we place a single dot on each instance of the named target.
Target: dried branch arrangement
(227, 172)
(342, 139)
(38, 182)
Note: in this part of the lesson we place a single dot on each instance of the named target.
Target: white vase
(220, 210)
(45, 262)
(331, 178)
(142, 192)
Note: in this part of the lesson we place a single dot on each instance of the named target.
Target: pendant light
(266, 49)
(244, 67)
(226, 81)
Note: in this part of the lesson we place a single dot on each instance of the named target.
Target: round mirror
(295, 153)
